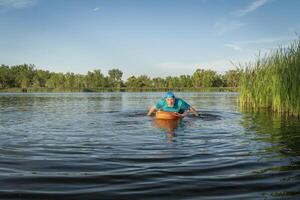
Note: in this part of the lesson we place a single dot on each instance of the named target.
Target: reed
(273, 81)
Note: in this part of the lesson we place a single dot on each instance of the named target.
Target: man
(172, 104)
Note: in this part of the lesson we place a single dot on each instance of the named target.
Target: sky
(157, 38)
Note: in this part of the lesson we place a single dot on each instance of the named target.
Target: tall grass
(273, 81)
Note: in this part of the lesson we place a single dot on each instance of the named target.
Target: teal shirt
(179, 106)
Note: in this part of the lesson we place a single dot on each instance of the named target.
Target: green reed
(273, 81)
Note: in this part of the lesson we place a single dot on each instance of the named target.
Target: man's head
(170, 99)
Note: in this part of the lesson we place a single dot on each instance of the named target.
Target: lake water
(103, 146)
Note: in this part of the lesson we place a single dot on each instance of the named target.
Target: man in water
(172, 104)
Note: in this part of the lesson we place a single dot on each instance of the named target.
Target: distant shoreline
(86, 90)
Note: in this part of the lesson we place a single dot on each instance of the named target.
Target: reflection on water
(280, 135)
(103, 146)
(280, 132)
(168, 125)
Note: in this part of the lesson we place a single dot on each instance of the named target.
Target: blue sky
(152, 37)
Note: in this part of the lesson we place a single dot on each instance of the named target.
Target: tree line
(27, 76)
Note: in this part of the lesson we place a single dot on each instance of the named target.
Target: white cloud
(263, 46)
(234, 46)
(17, 4)
(250, 8)
(227, 25)
(224, 26)
(271, 40)
(96, 9)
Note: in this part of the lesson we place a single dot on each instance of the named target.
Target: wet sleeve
(159, 104)
(184, 105)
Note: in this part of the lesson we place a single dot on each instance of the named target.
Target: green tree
(115, 76)
(94, 79)
(218, 81)
(204, 78)
(209, 78)
(143, 81)
(6, 79)
(56, 80)
(158, 82)
(131, 82)
(40, 78)
(70, 80)
(197, 78)
(23, 75)
(98, 78)
(79, 81)
(185, 81)
(232, 77)
(172, 82)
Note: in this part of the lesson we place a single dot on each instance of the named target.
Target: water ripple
(103, 146)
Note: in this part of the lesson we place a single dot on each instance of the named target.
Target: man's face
(170, 102)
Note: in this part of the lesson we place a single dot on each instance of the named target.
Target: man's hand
(181, 115)
(152, 110)
(194, 111)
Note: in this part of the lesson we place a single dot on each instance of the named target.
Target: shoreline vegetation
(122, 89)
(26, 78)
(273, 81)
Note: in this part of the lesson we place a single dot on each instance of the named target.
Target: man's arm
(186, 112)
(152, 110)
(188, 108)
(194, 111)
(183, 114)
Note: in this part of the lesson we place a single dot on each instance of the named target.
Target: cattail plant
(273, 81)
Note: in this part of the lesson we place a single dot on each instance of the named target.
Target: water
(103, 146)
